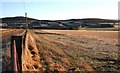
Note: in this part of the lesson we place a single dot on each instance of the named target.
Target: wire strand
(25, 14)
(24, 6)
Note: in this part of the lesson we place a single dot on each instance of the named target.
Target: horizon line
(63, 19)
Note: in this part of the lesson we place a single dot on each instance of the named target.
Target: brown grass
(70, 50)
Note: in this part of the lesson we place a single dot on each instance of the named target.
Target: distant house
(38, 24)
(34, 24)
(3, 24)
(53, 23)
(43, 25)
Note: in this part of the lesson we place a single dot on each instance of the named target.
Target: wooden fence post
(16, 52)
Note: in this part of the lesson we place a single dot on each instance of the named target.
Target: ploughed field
(75, 50)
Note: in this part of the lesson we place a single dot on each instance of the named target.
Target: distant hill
(16, 19)
(20, 21)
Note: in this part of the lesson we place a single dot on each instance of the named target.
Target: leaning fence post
(16, 52)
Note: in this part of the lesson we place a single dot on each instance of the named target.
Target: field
(74, 50)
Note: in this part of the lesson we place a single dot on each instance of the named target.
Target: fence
(17, 42)
(16, 52)
(24, 53)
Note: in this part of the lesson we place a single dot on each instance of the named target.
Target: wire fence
(17, 42)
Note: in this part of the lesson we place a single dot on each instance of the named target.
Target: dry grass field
(98, 49)
(76, 50)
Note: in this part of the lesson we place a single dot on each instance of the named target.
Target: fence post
(16, 52)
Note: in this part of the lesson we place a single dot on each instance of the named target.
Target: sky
(60, 9)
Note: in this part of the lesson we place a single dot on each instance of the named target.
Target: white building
(3, 24)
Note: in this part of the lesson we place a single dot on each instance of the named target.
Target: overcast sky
(60, 9)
